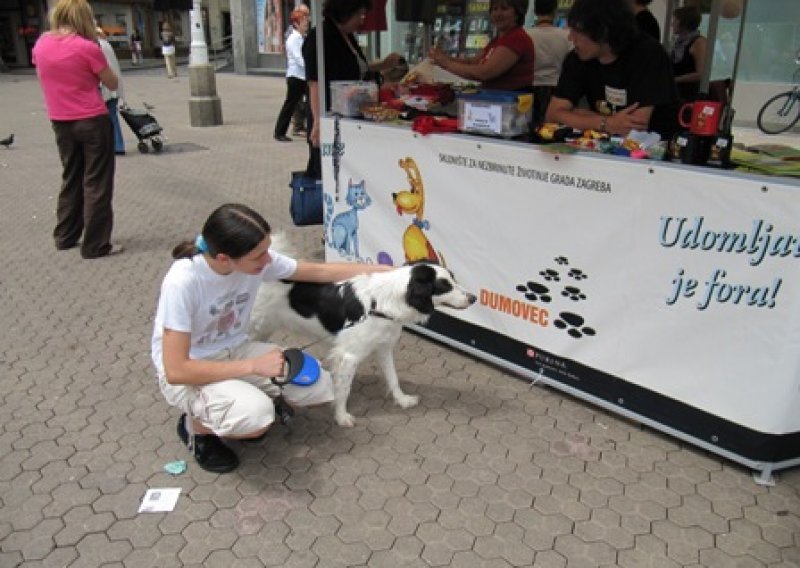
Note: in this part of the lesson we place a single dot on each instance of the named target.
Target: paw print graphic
(573, 293)
(550, 275)
(562, 260)
(573, 323)
(535, 292)
(577, 274)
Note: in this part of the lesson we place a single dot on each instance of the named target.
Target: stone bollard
(205, 107)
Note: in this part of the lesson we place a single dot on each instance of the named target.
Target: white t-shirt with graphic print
(214, 308)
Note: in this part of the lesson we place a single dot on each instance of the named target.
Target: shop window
(770, 42)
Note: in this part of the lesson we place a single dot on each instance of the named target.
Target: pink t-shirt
(68, 67)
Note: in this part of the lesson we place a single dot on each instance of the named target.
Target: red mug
(705, 117)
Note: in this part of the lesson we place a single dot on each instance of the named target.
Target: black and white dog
(358, 317)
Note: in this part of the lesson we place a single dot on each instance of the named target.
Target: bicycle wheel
(779, 113)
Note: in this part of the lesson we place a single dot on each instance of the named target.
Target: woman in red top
(506, 63)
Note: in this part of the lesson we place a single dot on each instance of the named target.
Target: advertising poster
(683, 283)
(270, 15)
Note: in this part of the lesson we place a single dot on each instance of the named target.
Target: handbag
(306, 203)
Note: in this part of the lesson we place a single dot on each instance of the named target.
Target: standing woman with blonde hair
(70, 64)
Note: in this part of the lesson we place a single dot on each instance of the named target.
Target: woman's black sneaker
(209, 451)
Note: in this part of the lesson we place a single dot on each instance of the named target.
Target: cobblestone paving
(486, 471)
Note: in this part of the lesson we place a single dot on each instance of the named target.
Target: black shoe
(283, 411)
(112, 250)
(282, 138)
(209, 451)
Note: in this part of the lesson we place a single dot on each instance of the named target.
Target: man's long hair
(604, 21)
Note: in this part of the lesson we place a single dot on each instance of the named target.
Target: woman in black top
(344, 61)
(688, 51)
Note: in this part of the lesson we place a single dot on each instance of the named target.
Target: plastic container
(495, 113)
(347, 97)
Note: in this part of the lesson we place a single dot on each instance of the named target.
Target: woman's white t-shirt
(214, 308)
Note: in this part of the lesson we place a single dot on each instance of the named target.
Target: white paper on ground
(159, 500)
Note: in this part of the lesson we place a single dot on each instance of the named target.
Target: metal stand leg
(764, 477)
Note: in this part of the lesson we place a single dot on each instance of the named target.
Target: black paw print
(573, 293)
(562, 260)
(550, 275)
(535, 292)
(572, 323)
(577, 274)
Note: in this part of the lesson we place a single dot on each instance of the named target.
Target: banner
(685, 282)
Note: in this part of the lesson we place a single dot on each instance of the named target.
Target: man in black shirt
(624, 75)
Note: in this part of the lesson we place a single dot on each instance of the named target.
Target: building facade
(770, 41)
(770, 37)
(22, 21)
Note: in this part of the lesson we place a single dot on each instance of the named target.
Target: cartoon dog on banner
(343, 234)
(412, 202)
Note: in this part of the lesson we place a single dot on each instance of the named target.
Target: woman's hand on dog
(270, 364)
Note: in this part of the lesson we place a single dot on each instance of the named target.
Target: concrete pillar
(205, 107)
(245, 42)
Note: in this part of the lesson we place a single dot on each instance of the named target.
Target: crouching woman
(206, 364)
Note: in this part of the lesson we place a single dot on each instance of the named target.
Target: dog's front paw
(345, 419)
(407, 400)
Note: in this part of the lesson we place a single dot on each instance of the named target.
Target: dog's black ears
(421, 261)
(420, 288)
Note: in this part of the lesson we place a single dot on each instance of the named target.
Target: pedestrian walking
(301, 110)
(295, 74)
(136, 48)
(168, 50)
(112, 97)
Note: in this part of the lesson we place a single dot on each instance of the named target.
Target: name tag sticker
(483, 117)
(617, 98)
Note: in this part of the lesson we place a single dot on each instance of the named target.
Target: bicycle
(781, 112)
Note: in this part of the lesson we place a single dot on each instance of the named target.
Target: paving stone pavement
(486, 471)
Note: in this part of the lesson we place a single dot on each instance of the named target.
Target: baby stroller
(145, 127)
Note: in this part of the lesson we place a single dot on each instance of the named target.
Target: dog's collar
(374, 312)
